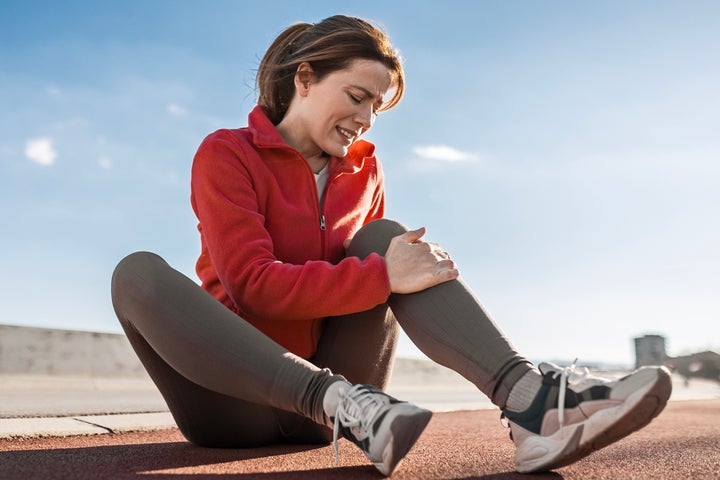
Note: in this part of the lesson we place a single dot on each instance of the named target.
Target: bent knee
(135, 263)
(385, 226)
(375, 237)
(132, 271)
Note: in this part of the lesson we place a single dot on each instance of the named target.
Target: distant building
(698, 365)
(650, 350)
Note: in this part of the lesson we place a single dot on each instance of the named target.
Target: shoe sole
(631, 415)
(406, 429)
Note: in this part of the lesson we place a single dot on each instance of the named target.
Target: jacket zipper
(323, 222)
(321, 206)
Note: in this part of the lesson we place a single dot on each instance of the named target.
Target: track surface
(682, 443)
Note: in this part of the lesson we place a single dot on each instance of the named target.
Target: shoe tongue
(548, 367)
(332, 397)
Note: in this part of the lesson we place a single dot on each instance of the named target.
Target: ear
(304, 77)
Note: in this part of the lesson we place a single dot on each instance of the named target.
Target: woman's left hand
(414, 265)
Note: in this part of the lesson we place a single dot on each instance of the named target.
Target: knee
(133, 266)
(130, 273)
(375, 237)
(385, 227)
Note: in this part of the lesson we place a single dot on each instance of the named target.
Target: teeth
(347, 134)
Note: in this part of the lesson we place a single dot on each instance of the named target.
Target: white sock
(332, 399)
(524, 391)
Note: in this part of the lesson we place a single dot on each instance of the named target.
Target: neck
(316, 158)
(318, 162)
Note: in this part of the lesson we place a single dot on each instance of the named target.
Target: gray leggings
(228, 385)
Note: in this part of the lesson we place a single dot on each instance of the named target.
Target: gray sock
(524, 391)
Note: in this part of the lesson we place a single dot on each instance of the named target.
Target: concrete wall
(27, 350)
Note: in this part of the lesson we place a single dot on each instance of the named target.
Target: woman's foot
(575, 414)
(384, 428)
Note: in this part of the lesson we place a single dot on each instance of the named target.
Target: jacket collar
(265, 135)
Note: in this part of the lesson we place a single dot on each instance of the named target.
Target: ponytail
(275, 74)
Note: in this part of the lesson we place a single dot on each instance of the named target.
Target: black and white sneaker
(384, 428)
(575, 414)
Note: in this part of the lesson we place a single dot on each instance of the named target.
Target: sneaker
(383, 427)
(575, 414)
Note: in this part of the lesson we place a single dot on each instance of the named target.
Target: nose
(365, 117)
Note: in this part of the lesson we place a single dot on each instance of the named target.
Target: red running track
(682, 443)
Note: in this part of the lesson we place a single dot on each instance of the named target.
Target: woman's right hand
(414, 265)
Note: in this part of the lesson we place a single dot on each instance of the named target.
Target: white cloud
(175, 109)
(443, 153)
(40, 151)
(105, 162)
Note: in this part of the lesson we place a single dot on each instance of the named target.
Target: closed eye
(358, 100)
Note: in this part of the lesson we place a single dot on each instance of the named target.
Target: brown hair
(327, 46)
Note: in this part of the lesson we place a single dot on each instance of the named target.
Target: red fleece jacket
(270, 252)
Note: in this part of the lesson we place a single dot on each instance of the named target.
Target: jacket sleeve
(241, 249)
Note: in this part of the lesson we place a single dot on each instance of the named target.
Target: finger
(413, 236)
(445, 264)
(446, 271)
(438, 250)
(441, 255)
(447, 275)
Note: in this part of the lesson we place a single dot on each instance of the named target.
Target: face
(330, 114)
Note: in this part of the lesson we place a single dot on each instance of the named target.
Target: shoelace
(564, 374)
(356, 408)
(568, 375)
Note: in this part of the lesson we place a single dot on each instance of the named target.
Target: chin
(338, 152)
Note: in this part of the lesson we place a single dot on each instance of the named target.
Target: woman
(292, 335)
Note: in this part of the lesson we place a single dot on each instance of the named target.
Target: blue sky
(566, 153)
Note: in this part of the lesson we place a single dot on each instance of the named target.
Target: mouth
(348, 135)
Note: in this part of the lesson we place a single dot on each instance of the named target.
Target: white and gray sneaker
(384, 428)
(575, 414)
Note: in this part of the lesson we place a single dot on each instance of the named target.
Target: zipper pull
(322, 222)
